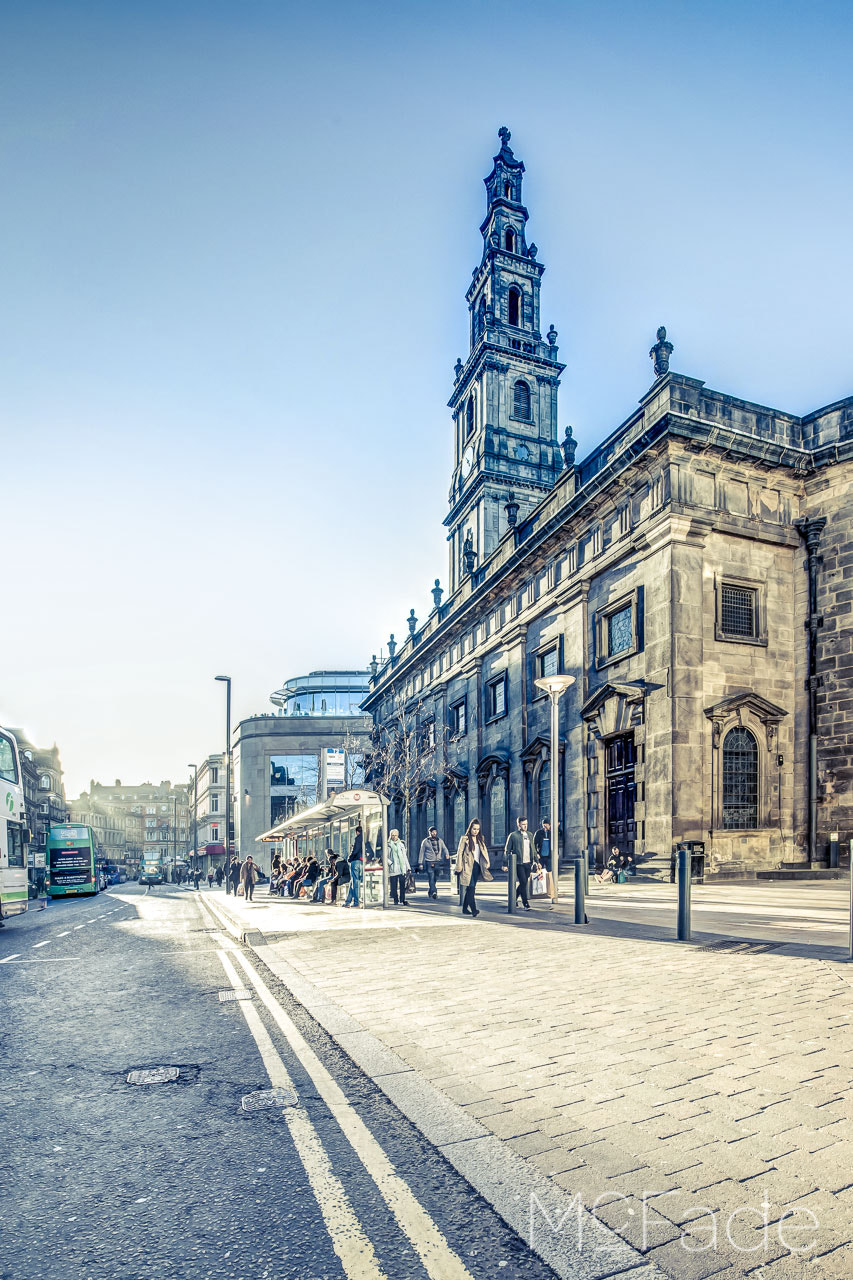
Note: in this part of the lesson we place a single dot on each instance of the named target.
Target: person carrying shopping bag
(472, 865)
(398, 868)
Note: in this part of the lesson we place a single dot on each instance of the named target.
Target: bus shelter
(332, 825)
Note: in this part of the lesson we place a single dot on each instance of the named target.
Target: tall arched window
(509, 240)
(460, 815)
(740, 780)
(481, 316)
(469, 417)
(514, 307)
(543, 792)
(497, 811)
(507, 191)
(521, 400)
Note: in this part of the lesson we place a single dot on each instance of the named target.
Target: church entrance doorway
(620, 757)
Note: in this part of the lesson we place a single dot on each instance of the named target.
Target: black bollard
(683, 860)
(580, 877)
(510, 884)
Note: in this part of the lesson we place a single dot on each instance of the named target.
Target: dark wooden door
(621, 794)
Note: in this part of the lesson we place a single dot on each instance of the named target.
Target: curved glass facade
(323, 693)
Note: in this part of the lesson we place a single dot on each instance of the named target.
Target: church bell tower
(504, 400)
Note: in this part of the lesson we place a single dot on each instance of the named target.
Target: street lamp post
(227, 681)
(194, 767)
(175, 838)
(555, 686)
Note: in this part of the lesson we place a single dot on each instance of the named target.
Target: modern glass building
(292, 760)
(323, 693)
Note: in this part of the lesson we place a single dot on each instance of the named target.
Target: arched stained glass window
(740, 780)
(521, 401)
(543, 792)
(514, 307)
(497, 811)
(460, 815)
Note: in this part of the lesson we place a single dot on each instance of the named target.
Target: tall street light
(227, 680)
(555, 686)
(194, 767)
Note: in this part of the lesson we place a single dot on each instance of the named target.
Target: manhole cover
(263, 1099)
(154, 1075)
(236, 993)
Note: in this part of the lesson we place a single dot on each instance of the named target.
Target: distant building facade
(44, 790)
(210, 811)
(694, 574)
(290, 761)
(146, 819)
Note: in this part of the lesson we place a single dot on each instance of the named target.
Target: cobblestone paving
(677, 1090)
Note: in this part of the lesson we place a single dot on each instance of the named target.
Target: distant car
(150, 877)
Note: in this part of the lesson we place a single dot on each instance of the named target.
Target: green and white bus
(13, 829)
(71, 861)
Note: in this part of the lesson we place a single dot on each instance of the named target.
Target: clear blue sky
(236, 241)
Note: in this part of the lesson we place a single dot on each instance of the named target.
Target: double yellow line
(347, 1236)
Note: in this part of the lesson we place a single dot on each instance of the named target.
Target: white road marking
(348, 1240)
(439, 1260)
(46, 943)
(64, 935)
(6, 959)
(80, 926)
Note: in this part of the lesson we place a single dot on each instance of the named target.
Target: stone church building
(694, 574)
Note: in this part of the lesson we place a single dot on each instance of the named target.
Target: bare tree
(403, 755)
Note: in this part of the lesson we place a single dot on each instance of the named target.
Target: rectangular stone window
(741, 611)
(496, 698)
(617, 629)
(459, 719)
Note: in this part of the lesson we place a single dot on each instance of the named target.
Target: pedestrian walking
(356, 869)
(472, 865)
(398, 868)
(235, 875)
(542, 844)
(432, 856)
(196, 877)
(210, 878)
(248, 878)
(219, 876)
(519, 843)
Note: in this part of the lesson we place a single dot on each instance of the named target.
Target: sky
(237, 236)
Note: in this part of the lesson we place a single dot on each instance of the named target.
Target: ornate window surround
(748, 584)
(762, 718)
(603, 657)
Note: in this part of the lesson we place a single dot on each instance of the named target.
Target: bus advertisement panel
(71, 861)
(14, 834)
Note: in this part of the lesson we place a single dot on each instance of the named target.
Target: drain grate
(741, 948)
(235, 993)
(154, 1075)
(264, 1099)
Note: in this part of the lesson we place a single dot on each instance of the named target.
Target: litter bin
(697, 861)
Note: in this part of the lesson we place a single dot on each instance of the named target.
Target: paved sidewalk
(675, 1089)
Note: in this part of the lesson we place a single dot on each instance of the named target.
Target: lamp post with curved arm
(227, 682)
(555, 686)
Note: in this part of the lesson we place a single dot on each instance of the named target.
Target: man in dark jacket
(235, 874)
(542, 844)
(519, 843)
(432, 855)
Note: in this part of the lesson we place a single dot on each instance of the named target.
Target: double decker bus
(71, 861)
(13, 829)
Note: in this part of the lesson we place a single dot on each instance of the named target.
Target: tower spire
(504, 399)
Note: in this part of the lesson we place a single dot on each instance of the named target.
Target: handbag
(411, 887)
(621, 878)
(327, 893)
(241, 892)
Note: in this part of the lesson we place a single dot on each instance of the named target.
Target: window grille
(497, 811)
(548, 663)
(737, 610)
(740, 780)
(521, 401)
